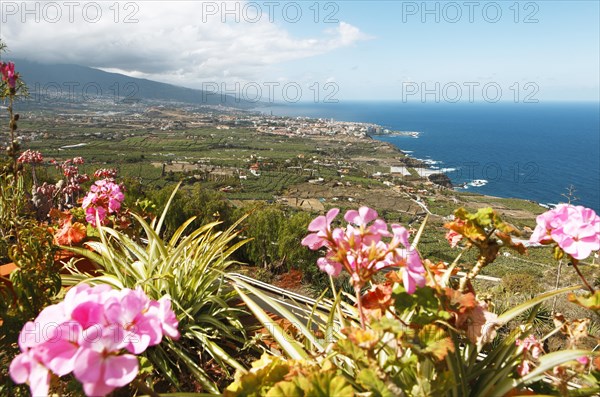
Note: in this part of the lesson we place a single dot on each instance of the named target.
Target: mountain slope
(75, 82)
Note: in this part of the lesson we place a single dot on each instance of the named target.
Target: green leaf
(436, 341)
(515, 311)
(287, 343)
(285, 313)
(158, 226)
(417, 238)
(389, 324)
(554, 359)
(371, 382)
(591, 302)
(546, 363)
(351, 350)
(483, 217)
(198, 372)
(265, 373)
(327, 384)
(424, 305)
(286, 389)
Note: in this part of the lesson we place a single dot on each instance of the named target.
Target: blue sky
(367, 50)
(559, 53)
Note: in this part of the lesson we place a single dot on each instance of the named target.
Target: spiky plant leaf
(515, 311)
(190, 270)
(289, 316)
(547, 362)
(291, 348)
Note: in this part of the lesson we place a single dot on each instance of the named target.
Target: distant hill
(78, 83)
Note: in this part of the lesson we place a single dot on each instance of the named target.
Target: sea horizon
(531, 151)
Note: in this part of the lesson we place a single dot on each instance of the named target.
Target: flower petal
(120, 370)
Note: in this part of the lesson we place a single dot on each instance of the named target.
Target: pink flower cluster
(31, 157)
(93, 333)
(359, 248)
(70, 169)
(7, 70)
(46, 190)
(575, 229)
(531, 350)
(106, 173)
(105, 197)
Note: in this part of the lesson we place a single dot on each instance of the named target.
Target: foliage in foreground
(94, 333)
(416, 333)
(189, 268)
(415, 338)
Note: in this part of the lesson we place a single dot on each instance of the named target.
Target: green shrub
(521, 283)
(190, 268)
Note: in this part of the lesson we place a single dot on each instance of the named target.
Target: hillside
(73, 83)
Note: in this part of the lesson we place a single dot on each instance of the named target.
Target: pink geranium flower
(31, 157)
(367, 234)
(531, 346)
(27, 368)
(166, 317)
(91, 334)
(99, 366)
(362, 217)
(531, 350)
(583, 360)
(331, 267)
(360, 250)
(104, 198)
(575, 229)
(401, 253)
(130, 312)
(105, 173)
(321, 225)
(59, 350)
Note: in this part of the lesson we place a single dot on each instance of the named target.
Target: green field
(217, 157)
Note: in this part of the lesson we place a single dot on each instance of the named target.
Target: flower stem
(12, 127)
(472, 274)
(338, 307)
(360, 308)
(141, 386)
(574, 263)
(556, 285)
(33, 175)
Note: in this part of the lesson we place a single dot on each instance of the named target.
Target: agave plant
(189, 268)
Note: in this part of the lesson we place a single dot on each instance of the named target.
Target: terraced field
(341, 170)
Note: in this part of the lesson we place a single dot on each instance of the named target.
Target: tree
(291, 251)
(206, 205)
(264, 226)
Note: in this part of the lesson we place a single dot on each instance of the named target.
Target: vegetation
(416, 333)
(188, 268)
(152, 260)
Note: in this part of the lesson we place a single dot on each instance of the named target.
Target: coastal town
(329, 199)
(300, 162)
(100, 114)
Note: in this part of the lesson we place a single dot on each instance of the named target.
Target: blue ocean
(533, 151)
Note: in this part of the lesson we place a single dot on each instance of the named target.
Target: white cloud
(173, 41)
(349, 34)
